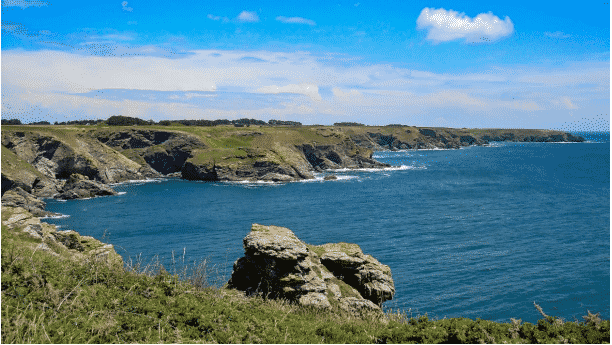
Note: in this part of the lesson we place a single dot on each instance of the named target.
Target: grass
(56, 299)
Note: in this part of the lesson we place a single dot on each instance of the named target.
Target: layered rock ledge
(277, 264)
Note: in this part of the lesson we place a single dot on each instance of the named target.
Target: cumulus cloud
(295, 20)
(24, 3)
(444, 26)
(248, 17)
(310, 90)
(125, 7)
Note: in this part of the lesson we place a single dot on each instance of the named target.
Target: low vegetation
(51, 298)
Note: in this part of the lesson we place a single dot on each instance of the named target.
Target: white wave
(121, 193)
(148, 180)
(392, 168)
(346, 177)
(55, 217)
(251, 182)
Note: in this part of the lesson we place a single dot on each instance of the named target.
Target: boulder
(277, 264)
(330, 177)
(79, 186)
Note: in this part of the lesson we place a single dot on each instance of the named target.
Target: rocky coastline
(75, 163)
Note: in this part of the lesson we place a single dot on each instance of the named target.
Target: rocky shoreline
(75, 163)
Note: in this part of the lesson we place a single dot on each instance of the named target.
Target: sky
(520, 64)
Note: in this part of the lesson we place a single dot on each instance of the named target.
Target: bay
(481, 232)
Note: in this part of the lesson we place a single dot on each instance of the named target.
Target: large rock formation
(79, 187)
(58, 157)
(277, 264)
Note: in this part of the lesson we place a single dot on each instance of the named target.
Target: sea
(479, 232)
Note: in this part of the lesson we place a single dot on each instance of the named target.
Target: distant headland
(79, 159)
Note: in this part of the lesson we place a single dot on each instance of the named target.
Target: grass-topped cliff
(273, 153)
(67, 288)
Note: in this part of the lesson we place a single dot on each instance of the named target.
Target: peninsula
(80, 161)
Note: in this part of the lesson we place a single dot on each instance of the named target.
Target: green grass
(57, 299)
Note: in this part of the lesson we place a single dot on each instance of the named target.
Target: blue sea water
(480, 232)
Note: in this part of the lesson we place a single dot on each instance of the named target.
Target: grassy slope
(56, 299)
(15, 167)
(76, 137)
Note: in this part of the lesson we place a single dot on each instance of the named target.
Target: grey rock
(372, 279)
(79, 186)
(277, 264)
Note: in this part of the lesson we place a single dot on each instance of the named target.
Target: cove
(480, 232)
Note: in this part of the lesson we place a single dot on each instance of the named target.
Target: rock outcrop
(18, 197)
(346, 155)
(277, 264)
(47, 238)
(79, 187)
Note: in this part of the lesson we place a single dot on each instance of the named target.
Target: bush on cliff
(119, 120)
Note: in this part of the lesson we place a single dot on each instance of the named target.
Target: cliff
(80, 161)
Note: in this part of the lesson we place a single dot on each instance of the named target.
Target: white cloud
(568, 103)
(309, 90)
(451, 25)
(261, 79)
(556, 34)
(217, 18)
(295, 20)
(24, 3)
(125, 7)
(352, 96)
(249, 17)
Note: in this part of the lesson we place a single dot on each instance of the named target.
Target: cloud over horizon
(300, 86)
(444, 26)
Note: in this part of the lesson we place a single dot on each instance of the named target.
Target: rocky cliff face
(277, 264)
(452, 138)
(164, 151)
(59, 164)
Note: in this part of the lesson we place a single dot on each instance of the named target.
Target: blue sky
(428, 63)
